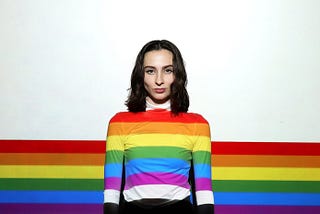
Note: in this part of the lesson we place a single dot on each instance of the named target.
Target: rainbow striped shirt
(157, 148)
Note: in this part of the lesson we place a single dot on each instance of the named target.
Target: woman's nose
(159, 79)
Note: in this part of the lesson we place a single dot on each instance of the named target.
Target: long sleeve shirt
(154, 150)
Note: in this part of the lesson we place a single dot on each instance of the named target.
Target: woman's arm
(113, 169)
(201, 155)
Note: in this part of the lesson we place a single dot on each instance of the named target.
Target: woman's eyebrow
(150, 66)
(167, 66)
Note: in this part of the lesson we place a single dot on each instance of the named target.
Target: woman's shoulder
(126, 116)
(196, 117)
(120, 116)
(158, 115)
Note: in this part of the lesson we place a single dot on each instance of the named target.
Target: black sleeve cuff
(205, 209)
(110, 208)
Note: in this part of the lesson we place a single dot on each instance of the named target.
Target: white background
(253, 66)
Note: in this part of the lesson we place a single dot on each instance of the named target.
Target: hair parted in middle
(179, 98)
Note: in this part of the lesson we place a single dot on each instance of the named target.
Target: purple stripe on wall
(51, 208)
(243, 209)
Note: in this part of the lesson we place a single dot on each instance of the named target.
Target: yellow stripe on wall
(266, 173)
(51, 171)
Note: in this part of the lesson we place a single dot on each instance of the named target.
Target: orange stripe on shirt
(159, 127)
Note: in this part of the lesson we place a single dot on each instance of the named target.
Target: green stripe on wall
(265, 186)
(51, 184)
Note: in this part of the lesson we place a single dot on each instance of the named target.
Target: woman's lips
(159, 90)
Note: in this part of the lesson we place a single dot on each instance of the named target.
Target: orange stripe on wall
(266, 160)
(51, 159)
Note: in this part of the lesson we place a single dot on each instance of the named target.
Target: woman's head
(158, 75)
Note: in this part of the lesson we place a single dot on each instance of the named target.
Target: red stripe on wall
(52, 146)
(218, 147)
(265, 148)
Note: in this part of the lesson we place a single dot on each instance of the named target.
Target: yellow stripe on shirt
(202, 143)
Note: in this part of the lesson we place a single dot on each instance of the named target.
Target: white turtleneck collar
(150, 106)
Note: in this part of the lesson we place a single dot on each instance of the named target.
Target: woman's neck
(151, 106)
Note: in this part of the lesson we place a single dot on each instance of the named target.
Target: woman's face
(158, 75)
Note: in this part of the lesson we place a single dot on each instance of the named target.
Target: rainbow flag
(266, 177)
(66, 176)
(51, 176)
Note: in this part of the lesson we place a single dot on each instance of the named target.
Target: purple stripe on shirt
(157, 178)
(203, 184)
(112, 183)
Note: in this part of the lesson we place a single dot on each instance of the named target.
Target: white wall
(253, 66)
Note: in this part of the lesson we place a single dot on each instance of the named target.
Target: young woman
(158, 155)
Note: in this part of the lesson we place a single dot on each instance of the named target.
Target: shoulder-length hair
(179, 98)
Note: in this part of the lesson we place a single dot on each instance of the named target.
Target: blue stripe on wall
(52, 197)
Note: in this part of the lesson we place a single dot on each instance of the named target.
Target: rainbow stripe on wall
(66, 176)
(265, 177)
(51, 176)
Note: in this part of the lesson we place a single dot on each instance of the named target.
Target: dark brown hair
(179, 97)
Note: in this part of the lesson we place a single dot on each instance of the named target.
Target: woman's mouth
(159, 90)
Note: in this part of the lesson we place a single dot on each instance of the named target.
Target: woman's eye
(149, 71)
(168, 71)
